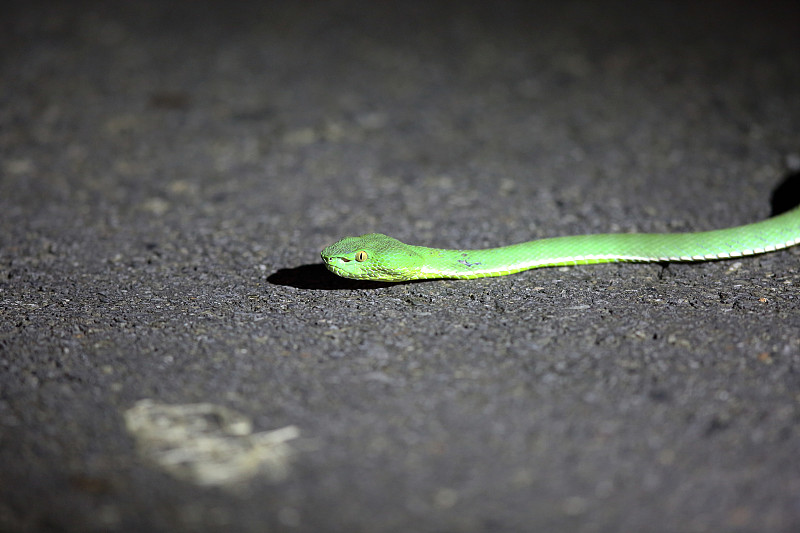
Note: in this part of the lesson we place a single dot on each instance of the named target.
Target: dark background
(170, 171)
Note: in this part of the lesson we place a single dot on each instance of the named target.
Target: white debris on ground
(208, 444)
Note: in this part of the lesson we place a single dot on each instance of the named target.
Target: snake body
(378, 257)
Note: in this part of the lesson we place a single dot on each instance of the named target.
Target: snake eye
(361, 256)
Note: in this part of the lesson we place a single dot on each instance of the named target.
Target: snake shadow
(786, 195)
(317, 277)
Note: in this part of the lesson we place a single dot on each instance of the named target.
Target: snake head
(373, 256)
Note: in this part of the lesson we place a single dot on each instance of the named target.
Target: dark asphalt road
(173, 356)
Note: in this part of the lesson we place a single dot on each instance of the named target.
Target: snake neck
(490, 262)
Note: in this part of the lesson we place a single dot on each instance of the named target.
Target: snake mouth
(334, 263)
(339, 271)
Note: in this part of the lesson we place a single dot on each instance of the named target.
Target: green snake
(377, 257)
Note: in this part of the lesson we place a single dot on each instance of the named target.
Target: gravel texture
(170, 171)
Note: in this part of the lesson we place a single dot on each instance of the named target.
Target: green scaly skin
(378, 257)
